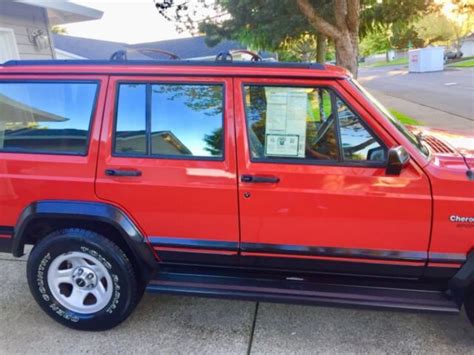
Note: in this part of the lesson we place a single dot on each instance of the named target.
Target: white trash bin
(426, 60)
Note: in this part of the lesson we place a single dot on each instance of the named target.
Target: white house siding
(21, 17)
(467, 48)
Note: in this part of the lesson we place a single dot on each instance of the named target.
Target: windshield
(414, 140)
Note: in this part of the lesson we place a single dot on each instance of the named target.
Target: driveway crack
(252, 332)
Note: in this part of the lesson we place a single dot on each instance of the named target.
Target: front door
(313, 190)
(167, 157)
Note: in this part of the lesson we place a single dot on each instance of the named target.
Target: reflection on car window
(300, 123)
(184, 120)
(357, 142)
(187, 120)
(130, 135)
(46, 117)
(291, 123)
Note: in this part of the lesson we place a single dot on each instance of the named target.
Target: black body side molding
(82, 211)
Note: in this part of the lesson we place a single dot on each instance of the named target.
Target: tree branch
(320, 24)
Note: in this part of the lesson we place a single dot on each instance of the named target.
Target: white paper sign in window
(285, 129)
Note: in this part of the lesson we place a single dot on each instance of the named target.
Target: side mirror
(398, 158)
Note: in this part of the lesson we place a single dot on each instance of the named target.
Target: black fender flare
(465, 275)
(85, 211)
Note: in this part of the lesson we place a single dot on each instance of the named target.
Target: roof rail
(185, 62)
(229, 55)
(121, 55)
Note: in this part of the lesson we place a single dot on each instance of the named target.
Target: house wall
(21, 18)
(467, 48)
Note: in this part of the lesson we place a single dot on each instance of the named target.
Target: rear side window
(46, 117)
(170, 120)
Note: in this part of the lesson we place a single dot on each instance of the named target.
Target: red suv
(258, 181)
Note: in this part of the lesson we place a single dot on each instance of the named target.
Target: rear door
(314, 193)
(167, 157)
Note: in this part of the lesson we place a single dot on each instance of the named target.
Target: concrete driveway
(440, 99)
(187, 325)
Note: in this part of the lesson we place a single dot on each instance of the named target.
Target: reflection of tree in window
(194, 119)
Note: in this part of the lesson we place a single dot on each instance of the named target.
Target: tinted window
(46, 117)
(357, 142)
(291, 123)
(130, 136)
(187, 120)
(300, 123)
(184, 120)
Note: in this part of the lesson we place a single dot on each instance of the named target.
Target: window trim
(148, 96)
(293, 161)
(91, 118)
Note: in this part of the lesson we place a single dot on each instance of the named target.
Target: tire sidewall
(40, 261)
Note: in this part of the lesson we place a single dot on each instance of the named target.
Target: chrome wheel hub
(80, 282)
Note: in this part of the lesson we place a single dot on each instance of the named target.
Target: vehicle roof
(174, 67)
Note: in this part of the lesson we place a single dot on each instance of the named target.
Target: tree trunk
(347, 52)
(321, 48)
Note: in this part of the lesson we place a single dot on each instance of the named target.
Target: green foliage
(434, 27)
(469, 63)
(375, 42)
(214, 142)
(405, 119)
(59, 30)
(399, 61)
(278, 25)
(405, 36)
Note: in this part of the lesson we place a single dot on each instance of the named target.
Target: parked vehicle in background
(451, 55)
(260, 181)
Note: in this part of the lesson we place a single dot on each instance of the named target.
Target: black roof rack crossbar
(122, 55)
(229, 55)
(188, 62)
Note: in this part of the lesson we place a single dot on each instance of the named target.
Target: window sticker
(286, 121)
(282, 145)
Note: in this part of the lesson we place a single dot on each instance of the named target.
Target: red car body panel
(314, 205)
(347, 207)
(25, 178)
(191, 199)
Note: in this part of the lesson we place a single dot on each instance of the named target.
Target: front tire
(82, 280)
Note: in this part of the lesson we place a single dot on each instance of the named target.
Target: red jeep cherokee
(258, 181)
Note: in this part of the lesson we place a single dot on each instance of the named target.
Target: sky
(131, 22)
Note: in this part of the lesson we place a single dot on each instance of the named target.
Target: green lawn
(405, 119)
(469, 63)
(399, 61)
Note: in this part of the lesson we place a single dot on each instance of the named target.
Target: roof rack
(122, 55)
(229, 55)
(187, 62)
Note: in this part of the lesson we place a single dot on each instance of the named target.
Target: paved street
(441, 99)
(184, 325)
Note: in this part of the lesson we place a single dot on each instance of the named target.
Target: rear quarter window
(46, 117)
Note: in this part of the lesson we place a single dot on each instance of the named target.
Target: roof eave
(61, 12)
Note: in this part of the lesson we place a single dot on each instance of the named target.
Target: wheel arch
(42, 217)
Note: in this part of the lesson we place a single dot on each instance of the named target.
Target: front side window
(46, 117)
(183, 120)
(414, 140)
(305, 124)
